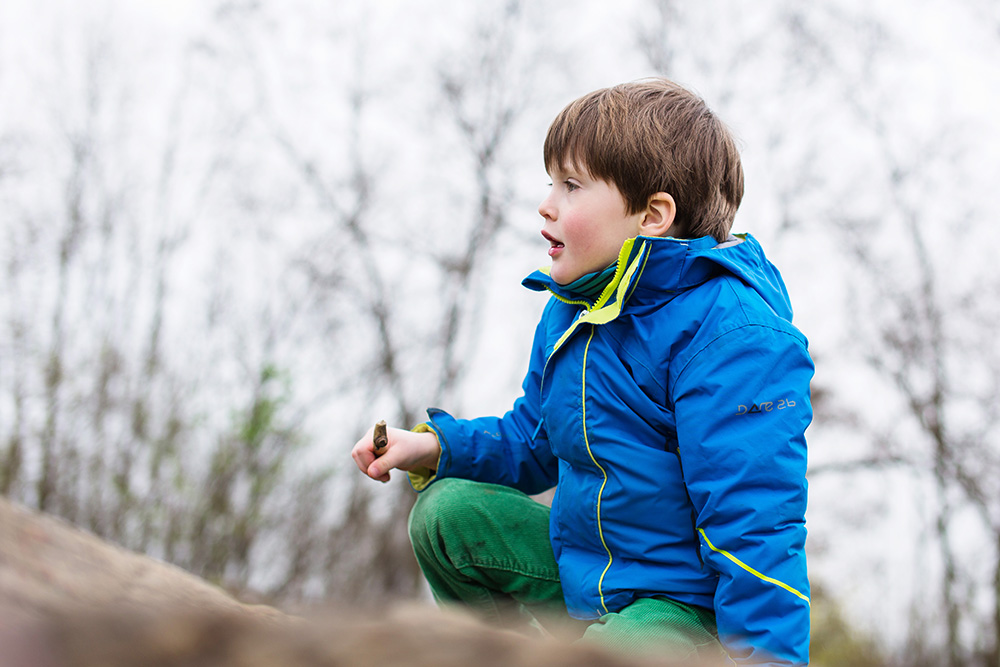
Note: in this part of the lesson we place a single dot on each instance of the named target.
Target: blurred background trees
(234, 234)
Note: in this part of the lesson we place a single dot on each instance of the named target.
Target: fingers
(363, 452)
(405, 450)
(381, 464)
(373, 473)
(365, 456)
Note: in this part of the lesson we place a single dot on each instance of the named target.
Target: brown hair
(650, 136)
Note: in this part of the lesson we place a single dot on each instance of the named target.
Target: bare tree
(109, 424)
(917, 327)
(657, 37)
(914, 322)
(929, 336)
(354, 262)
(486, 94)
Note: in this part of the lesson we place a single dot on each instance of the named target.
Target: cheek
(579, 230)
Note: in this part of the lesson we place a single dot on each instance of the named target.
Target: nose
(547, 208)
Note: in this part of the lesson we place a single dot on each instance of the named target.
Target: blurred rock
(68, 599)
(47, 566)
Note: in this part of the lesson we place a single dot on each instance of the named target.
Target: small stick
(380, 437)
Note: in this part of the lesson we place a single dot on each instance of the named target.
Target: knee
(436, 506)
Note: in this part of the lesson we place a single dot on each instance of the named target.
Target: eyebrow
(571, 171)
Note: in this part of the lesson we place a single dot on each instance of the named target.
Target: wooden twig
(380, 438)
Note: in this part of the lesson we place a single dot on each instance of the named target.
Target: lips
(554, 245)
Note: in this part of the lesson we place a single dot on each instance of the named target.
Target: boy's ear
(659, 215)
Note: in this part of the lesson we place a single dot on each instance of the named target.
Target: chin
(561, 276)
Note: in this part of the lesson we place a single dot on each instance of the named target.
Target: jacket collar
(628, 270)
(676, 265)
(671, 270)
(660, 267)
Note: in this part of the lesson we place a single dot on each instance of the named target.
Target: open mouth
(554, 245)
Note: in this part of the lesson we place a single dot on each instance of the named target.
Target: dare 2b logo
(765, 406)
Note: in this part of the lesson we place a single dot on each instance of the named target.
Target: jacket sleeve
(742, 406)
(511, 450)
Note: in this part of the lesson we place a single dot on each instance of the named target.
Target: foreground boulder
(47, 566)
(404, 637)
(68, 599)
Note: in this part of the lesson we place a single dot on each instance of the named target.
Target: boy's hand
(405, 450)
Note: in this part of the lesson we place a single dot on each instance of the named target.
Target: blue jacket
(671, 413)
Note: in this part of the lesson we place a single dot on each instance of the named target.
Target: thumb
(380, 467)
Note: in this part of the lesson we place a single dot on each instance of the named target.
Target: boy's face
(586, 223)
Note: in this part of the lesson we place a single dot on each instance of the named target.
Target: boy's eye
(570, 185)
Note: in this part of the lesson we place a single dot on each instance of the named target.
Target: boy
(666, 398)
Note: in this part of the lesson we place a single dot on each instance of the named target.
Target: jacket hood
(674, 265)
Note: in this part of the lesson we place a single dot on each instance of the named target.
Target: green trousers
(487, 547)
